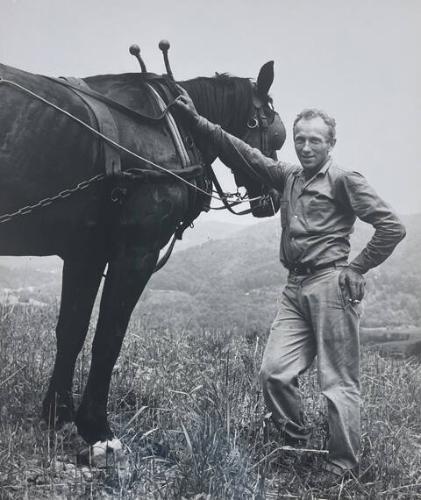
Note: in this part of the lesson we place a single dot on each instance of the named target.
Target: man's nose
(306, 146)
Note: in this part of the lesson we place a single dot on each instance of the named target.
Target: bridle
(258, 119)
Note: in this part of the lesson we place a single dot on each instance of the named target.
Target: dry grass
(188, 407)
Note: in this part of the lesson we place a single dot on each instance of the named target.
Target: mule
(118, 223)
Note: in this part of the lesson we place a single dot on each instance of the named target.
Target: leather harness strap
(105, 122)
(226, 204)
(173, 128)
(107, 126)
(183, 155)
(136, 115)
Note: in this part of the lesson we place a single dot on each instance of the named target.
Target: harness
(163, 91)
(105, 123)
(267, 203)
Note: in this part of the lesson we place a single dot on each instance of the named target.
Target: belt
(307, 269)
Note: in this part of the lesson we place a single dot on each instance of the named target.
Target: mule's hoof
(102, 454)
(103, 447)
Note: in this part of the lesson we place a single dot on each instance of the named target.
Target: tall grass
(188, 407)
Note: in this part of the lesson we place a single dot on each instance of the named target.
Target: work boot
(338, 473)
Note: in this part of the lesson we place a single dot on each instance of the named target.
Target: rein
(261, 121)
(227, 205)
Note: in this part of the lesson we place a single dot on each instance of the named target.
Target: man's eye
(315, 141)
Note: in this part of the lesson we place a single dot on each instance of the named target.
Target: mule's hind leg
(127, 276)
(81, 279)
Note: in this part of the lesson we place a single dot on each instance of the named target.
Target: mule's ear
(265, 78)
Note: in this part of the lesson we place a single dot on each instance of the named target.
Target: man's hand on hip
(352, 285)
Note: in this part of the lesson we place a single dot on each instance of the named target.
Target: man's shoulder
(337, 172)
(288, 168)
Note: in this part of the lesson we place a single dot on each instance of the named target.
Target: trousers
(316, 318)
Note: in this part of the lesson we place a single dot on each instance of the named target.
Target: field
(188, 407)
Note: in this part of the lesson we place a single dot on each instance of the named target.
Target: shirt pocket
(318, 212)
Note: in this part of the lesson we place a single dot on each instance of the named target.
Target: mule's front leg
(81, 279)
(126, 278)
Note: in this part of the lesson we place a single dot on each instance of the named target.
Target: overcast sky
(357, 60)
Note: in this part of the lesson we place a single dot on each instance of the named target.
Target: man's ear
(332, 144)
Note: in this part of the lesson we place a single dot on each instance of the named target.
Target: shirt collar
(322, 171)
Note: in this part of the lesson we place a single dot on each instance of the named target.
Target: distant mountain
(229, 276)
(204, 231)
(235, 281)
(50, 264)
(40, 277)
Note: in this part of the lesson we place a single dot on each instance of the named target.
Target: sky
(356, 60)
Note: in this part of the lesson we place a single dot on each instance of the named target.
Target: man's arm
(369, 207)
(234, 152)
(240, 157)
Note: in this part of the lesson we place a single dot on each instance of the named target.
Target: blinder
(272, 130)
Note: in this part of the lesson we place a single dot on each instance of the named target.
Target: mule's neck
(224, 100)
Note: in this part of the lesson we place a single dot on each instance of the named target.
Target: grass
(188, 407)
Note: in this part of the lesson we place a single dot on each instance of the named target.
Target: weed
(188, 407)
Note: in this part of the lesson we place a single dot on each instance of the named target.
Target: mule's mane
(222, 99)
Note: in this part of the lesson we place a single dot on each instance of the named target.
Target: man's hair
(308, 114)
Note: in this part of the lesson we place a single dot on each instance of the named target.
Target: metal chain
(48, 201)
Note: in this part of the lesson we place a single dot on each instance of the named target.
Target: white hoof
(104, 447)
(103, 454)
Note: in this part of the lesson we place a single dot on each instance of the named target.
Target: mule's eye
(252, 123)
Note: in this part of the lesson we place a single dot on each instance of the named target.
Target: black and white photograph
(210, 223)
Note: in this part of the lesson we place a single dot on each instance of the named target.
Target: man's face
(312, 143)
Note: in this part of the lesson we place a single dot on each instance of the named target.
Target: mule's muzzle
(276, 134)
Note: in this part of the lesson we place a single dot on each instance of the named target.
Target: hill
(229, 276)
(235, 282)
(205, 230)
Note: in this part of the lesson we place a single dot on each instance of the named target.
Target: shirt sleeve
(242, 158)
(367, 205)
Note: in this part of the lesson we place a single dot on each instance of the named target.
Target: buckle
(299, 269)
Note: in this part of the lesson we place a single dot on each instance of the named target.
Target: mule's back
(43, 152)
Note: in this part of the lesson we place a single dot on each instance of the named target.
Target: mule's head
(245, 110)
(266, 132)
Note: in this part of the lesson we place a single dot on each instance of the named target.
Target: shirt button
(295, 216)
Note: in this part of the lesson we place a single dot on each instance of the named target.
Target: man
(320, 307)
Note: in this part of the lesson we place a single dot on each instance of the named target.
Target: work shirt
(317, 215)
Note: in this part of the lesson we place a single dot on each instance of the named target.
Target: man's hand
(187, 109)
(352, 285)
